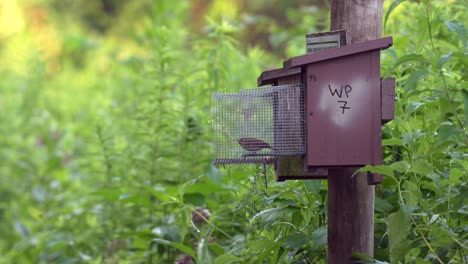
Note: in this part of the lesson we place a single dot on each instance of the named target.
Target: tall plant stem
(444, 81)
(427, 242)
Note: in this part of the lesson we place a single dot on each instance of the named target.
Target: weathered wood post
(350, 198)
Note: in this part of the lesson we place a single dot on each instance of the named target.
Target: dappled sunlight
(11, 18)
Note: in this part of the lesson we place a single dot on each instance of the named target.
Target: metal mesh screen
(257, 125)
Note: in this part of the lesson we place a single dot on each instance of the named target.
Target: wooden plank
(272, 76)
(388, 100)
(376, 110)
(324, 40)
(377, 44)
(340, 96)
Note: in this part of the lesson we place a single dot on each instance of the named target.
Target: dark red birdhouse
(339, 118)
(343, 104)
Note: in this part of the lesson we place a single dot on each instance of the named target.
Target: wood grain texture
(388, 99)
(350, 198)
(362, 19)
(328, 54)
(350, 215)
(272, 76)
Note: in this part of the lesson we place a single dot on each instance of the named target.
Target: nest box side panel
(291, 79)
(292, 167)
(388, 99)
(376, 91)
(342, 102)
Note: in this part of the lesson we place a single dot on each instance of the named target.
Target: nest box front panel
(343, 111)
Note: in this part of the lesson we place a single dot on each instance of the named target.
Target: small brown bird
(253, 144)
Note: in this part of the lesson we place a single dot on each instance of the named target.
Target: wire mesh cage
(257, 125)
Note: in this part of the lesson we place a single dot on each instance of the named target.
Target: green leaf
(296, 240)
(444, 59)
(392, 53)
(203, 254)
(381, 169)
(412, 57)
(206, 188)
(313, 186)
(442, 235)
(160, 192)
(168, 231)
(363, 258)
(108, 195)
(463, 210)
(455, 176)
(319, 236)
(400, 166)
(393, 142)
(297, 218)
(271, 253)
(398, 251)
(413, 106)
(398, 227)
(446, 131)
(455, 26)
(382, 205)
(264, 248)
(421, 167)
(414, 78)
(465, 105)
(179, 246)
(390, 10)
(215, 174)
(226, 259)
(261, 245)
(412, 194)
(39, 193)
(215, 249)
(194, 199)
(268, 215)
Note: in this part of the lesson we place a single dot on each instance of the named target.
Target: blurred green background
(105, 137)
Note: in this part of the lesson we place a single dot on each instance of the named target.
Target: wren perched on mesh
(253, 144)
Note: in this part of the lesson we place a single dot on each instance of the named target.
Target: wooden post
(350, 198)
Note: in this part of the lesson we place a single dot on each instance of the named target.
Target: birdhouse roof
(291, 66)
(378, 44)
(269, 77)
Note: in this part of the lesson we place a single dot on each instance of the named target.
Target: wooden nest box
(344, 106)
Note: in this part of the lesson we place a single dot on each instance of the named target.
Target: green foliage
(398, 226)
(106, 157)
(426, 144)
